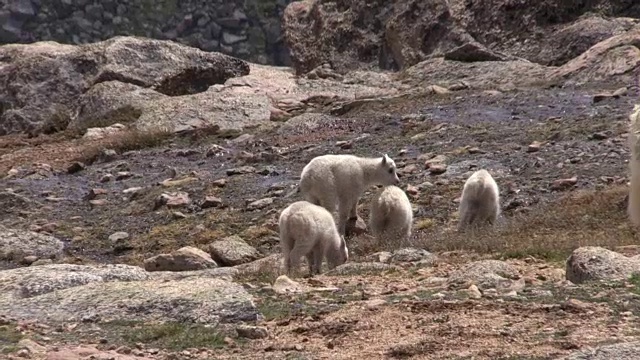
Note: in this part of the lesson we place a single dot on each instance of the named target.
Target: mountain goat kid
(391, 215)
(330, 180)
(310, 230)
(633, 208)
(480, 202)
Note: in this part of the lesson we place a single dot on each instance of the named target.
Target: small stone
(106, 178)
(437, 169)
(241, 170)
(599, 136)
(260, 204)
(475, 150)
(187, 258)
(75, 167)
(122, 175)
(98, 202)
(93, 193)
(438, 159)
(564, 184)
(409, 169)
(412, 190)
(173, 200)
(252, 332)
(211, 202)
(278, 115)
(219, 182)
(28, 260)
(118, 236)
(534, 147)
(178, 215)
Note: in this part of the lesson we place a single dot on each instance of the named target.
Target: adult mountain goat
(480, 202)
(310, 230)
(633, 209)
(330, 180)
(391, 215)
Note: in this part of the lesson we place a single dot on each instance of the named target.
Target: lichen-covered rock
(620, 351)
(196, 300)
(232, 251)
(591, 263)
(40, 83)
(400, 34)
(33, 281)
(15, 245)
(122, 292)
(485, 274)
(187, 258)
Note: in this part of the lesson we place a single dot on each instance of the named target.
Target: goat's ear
(384, 159)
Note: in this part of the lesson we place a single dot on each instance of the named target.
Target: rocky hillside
(141, 181)
(246, 29)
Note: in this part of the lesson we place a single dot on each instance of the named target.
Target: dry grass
(127, 140)
(552, 231)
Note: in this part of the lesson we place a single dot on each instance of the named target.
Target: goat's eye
(391, 171)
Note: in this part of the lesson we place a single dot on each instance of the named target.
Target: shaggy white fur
(331, 180)
(310, 230)
(633, 209)
(391, 215)
(480, 202)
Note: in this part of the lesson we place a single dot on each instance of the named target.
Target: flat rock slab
(195, 300)
(64, 292)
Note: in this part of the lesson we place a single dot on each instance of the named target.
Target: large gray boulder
(40, 83)
(60, 293)
(592, 263)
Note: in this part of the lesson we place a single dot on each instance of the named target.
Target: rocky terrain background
(249, 30)
(142, 179)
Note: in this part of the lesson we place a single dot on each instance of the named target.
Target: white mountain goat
(480, 202)
(391, 215)
(633, 208)
(330, 180)
(310, 230)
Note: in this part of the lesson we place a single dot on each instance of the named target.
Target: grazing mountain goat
(391, 215)
(480, 202)
(310, 230)
(633, 209)
(330, 180)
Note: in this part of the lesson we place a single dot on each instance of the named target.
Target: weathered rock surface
(41, 82)
(399, 34)
(120, 292)
(188, 258)
(15, 245)
(248, 30)
(485, 274)
(232, 251)
(590, 263)
(621, 351)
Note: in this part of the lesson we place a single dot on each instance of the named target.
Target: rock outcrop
(59, 293)
(399, 34)
(41, 82)
(249, 30)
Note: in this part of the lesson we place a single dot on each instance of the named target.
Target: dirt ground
(544, 220)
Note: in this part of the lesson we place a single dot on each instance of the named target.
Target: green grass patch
(170, 335)
(9, 338)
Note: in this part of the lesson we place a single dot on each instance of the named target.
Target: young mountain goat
(480, 203)
(310, 230)
(391, 215)
(330, 180)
